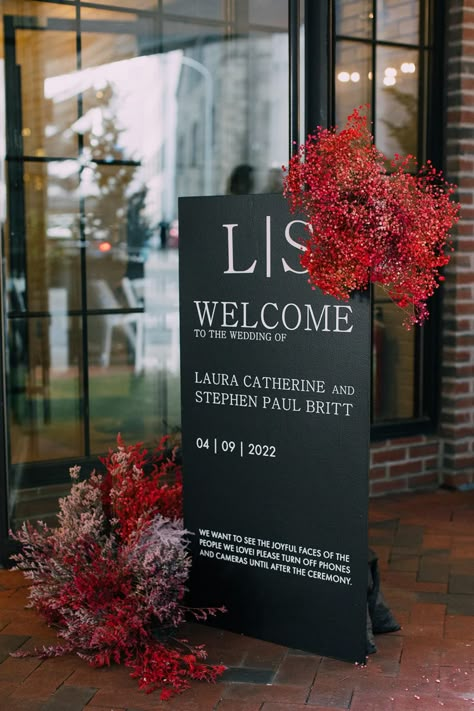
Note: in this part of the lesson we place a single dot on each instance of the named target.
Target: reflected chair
(102, 297)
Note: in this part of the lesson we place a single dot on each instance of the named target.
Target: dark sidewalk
(425, 543)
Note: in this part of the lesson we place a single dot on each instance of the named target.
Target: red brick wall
(457, 389)
(405, 464)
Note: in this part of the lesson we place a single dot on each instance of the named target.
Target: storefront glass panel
(52, 240)
(111, 115)
(203, 9)
(392, 361)
(398, 20)
(397, 101)
(46, 123)
(274, 15)
(355, 18)
(354, 80)
(148, 5)
(381, 68)
(44, 388)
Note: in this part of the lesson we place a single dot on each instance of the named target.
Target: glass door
(112, 112)
(91, 312)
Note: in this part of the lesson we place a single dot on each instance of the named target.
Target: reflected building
(232, 92)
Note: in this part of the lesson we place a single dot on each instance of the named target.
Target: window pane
(47, 113)
(393, 363)
(44, 385)
(107, 37)
(177, 35)
(43, 247)
(231, 115)
(396, 126)
(271, 15)
(210, 9)
(398, 20)
(353, 78)
(128, 4)
(354, 18)
(33, 8)
(148, 338)
(134, 368)
(116, 226)
(122, 118)
(38, 503)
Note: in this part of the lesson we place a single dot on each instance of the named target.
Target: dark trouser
(379, 617)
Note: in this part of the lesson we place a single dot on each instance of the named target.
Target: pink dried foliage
(111, 577)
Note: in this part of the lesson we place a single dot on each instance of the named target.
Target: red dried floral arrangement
(367, 224)
(111, 577)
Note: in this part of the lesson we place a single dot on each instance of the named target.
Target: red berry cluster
(137, 486)
(111, 577)
(370, 220)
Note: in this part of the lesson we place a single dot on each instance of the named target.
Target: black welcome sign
(275, 417)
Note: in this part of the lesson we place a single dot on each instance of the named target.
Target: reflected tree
(404, 132)
(110, 175)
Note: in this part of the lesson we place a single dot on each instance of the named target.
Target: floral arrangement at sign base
(111, 577)
(370, 220)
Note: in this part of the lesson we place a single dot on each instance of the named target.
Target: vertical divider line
(319, 57)
(293, 74)
(373, 91)
(13, 147)
(268, 240)
(83, 262)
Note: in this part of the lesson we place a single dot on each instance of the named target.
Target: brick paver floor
(425, 544)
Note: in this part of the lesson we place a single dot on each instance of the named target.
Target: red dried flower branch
(132, 496)
(111, 577)
(367, 224)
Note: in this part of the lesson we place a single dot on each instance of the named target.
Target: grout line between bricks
(311, 687)
(32, 657)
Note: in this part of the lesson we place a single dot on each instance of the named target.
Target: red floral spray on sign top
(369, 223)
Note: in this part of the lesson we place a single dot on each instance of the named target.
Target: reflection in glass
(44, 385)
(134, 357)
(127, 4)
(118, 131)
(37, 503)
(139, 326)
(393, 362)
(43, 12)
(41, 56)
(396, 126)
(246, 78)
(353, 78)
(210, 9)
(275, 15)
(178, 35)
(117, 41)
(51, 195)
(398, 20)
(354, 18)
(117, 228)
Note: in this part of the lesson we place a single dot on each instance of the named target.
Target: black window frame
(320, 46)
